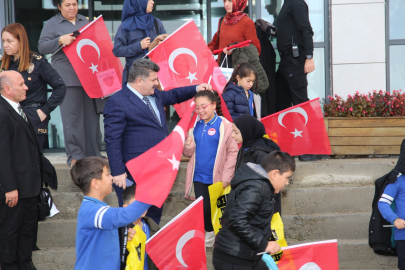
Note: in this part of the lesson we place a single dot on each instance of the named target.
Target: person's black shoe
(309, 157)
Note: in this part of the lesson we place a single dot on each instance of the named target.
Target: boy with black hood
(249, 209)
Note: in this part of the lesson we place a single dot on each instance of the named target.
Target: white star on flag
(175, 162)
(297, 133)
(192, 77)
(94, 68)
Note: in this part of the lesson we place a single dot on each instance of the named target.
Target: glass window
(271, 9)
(316, 79)
(397, 19)
(397, 67)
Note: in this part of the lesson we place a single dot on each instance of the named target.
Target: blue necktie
(152, 110)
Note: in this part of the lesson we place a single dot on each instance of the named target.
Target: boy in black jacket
(249, 209)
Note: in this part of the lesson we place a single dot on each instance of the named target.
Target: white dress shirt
(13, 104)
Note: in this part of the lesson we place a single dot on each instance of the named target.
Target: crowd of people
(134, 122)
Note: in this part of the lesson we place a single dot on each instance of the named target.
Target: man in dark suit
(135, 120)
(20, 175)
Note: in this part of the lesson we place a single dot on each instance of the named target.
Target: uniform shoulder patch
(37, 56)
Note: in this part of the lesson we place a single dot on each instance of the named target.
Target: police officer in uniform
(296, 48)
(37, 74)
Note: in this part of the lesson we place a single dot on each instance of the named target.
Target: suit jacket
(21, 167)
(130, 127)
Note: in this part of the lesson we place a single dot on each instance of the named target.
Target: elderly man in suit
(135, 121)
(20, 175)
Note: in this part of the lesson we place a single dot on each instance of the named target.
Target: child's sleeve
(110, 218)
(384, 204)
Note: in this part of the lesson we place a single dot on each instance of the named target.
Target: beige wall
(358, 46)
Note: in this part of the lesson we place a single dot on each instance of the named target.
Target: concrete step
(54, 258)
(321, 200)
(307, 228)
(353, 254)
(343, 172)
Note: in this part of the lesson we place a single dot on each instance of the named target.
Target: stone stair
(329, 199)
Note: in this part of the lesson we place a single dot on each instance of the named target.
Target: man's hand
(12, 198)
(41, 115)
(399, 223)
(145, 43)
(273, 247)
(204, 86)
(120, 180)
(225, 51)
(309, 66)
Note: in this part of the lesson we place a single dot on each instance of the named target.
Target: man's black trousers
(291, 82)
(16, 234)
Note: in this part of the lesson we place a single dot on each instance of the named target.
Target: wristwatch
(309, 56)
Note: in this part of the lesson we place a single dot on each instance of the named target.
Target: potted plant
(365, 124)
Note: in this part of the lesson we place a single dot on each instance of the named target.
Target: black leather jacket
(246, 220)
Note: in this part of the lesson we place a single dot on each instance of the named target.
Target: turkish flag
(299, 130)
(181, 243)
(185, 59)
(310, 256)
(99, 71)
(155, 170)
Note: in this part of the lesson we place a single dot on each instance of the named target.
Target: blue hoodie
(236, 100)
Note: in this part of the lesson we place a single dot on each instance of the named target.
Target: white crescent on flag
(182, 242)
(297, 110)
(85, 42)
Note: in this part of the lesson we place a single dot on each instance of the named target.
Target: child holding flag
(245, 223)
(213, 154)
(97, 244)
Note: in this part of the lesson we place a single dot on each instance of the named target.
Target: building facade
(359, 44)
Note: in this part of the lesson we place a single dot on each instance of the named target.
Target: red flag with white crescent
(299, 130)
(99, 71)
(181, 243)
(185, 59)
(321, 255)
(155, 170)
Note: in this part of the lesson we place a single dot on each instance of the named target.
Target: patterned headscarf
(237, 12)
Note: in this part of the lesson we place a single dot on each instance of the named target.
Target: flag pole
(88, 25)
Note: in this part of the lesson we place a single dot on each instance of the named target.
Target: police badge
(31, 68)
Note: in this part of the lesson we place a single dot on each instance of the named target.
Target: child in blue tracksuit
(395, 191)
(238, 96)
(97, 243)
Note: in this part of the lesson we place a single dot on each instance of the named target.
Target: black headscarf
(250, 128)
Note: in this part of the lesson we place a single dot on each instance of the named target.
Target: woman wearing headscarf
(138, 28)
(250, 132)
(235, 27)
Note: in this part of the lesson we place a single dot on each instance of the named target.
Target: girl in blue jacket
(238, 94)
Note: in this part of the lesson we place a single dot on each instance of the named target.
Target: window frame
(389, 42)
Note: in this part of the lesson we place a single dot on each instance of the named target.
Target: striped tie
(151, 108)
(22, 113)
